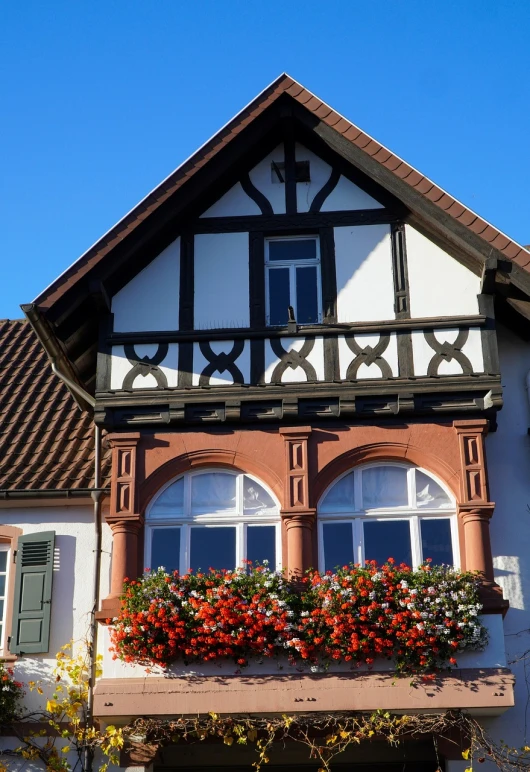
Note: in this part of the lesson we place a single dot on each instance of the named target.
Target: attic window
(301, 172)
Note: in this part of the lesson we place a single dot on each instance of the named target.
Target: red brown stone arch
(193, 460)
(386, 451)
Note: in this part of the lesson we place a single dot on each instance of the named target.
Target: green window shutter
(30, 627)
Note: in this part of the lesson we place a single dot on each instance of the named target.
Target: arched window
(212, 519)
(387, 510)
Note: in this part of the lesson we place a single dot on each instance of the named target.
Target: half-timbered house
(299, 349)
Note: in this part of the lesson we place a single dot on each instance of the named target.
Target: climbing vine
(327, 735)
(61, 735)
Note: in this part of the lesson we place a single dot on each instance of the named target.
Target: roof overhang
(65, 316)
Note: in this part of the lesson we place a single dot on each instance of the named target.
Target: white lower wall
(73, 581)
(508, 456)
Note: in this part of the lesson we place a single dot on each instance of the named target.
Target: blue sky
(101, 100)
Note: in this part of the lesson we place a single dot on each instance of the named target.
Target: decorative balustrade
(415, 365)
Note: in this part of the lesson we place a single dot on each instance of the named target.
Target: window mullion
(185, 557)
(415, 541)
(360, 539)
(292, 288)
(320, 545)
(411, 486)
(278, 566)
(241, 543)
(453, 520)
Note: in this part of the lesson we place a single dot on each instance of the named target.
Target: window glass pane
(293, 249)
(212, 548)
(213, 492)
(338, 545)
(387, 539)
(306, 295)
(261, 544)
(384, 486)
(436, 540)
(165, 549)
(2, 585)
(3, 560)
(279, 296)
(256, 500)
(170, 502)
(429, 494)
(340, 497)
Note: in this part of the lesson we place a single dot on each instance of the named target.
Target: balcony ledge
(482, 692)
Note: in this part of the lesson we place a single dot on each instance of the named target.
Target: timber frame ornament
(369, 355)
(446, 352)
(145, 366)
(293, 359)
(220, 363)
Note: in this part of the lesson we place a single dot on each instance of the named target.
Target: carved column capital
(474, 508)
(469, 513)
(298, 519)
(123, 492)
(474, 484)
(132, 525)
(124, 518)
(297, 515)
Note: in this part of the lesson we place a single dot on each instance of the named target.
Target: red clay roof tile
(46, 442)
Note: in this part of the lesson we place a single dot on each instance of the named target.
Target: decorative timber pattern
(250, 360)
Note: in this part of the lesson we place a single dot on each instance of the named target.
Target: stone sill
(487, 692)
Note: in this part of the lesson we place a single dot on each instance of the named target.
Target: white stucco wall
(73, 580)
(221, 280)
(439, 284)
(235, 202)
(365, 288)
(150, 301)
(345, 195)
(508, 456)
(261, 178)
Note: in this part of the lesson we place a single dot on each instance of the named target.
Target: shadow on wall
(65, 574)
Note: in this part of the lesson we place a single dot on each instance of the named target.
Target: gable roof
(46, 442)
(66, 314)
(388, 161)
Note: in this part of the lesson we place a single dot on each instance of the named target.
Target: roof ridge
(285, 83)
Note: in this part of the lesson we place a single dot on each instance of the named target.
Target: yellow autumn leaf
(465, 754)
(468, 769)
(252, 735)
(228, 740)
(66, 749)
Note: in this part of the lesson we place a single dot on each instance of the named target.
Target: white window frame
(292, 265)
(411, 513)
(5, 547)
(222, 518)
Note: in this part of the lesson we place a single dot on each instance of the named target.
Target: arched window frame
(410, 512)
(210, 519)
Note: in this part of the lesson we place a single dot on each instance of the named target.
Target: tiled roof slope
(46, 442)
(284, 85)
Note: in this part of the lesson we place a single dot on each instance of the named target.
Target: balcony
(421, 366)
